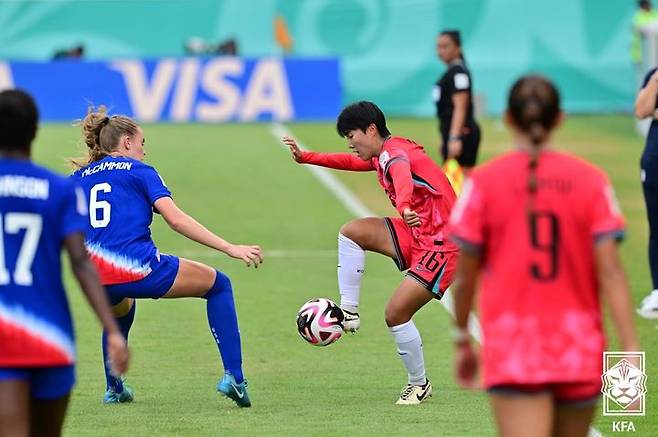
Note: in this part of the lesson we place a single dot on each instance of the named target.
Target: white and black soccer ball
(320, 322)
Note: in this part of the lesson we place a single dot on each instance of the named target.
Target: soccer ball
(320, 322)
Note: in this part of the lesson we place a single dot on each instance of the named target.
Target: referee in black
(453, 96)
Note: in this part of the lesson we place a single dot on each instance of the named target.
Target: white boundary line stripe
(326, 178)
(356, 207)
(593, 432)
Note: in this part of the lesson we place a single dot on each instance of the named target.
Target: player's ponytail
(102, 133)
(534, 108)
(92, 125)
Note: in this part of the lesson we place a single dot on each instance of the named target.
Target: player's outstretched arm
(85, 273)
(338, 161)
(295, 151)
(187, 226)
(616, 292)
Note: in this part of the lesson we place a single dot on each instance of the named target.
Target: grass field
(241, 183)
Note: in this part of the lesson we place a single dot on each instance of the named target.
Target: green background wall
(386, 46)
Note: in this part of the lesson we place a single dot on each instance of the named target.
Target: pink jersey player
(415, 240)
(412, 181)
(539, 228)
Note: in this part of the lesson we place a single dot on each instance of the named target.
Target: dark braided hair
(534, 107)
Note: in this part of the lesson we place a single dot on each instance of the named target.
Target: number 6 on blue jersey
(99, 205)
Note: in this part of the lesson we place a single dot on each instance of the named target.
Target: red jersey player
(424, 198)
(539, 227)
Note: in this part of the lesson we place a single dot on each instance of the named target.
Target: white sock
(351, 266)
(410, 348)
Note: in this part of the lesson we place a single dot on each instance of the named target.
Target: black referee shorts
(470, 146)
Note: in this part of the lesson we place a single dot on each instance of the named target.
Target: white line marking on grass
(356, 207)
(473, 322)
(593, 432)
(326, 178)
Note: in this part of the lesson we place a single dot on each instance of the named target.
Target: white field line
(593, 432)
(326, 178)
(356, 207)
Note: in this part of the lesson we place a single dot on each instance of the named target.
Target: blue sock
(125, 323)
(223, 322)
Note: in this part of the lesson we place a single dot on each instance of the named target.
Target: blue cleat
(231, 389)
(112, 397)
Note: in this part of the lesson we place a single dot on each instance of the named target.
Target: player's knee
(222, 285)
(394, 315)
(348, 230)
(354, 231)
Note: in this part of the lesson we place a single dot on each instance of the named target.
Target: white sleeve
(462, 82)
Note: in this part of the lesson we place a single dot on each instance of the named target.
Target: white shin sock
(410, 348)
(351, 266)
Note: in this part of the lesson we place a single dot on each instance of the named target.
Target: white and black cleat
(415, 394)
(351, 321)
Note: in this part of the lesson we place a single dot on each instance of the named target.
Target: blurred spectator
(282, 35)
(76, 52)
(199, 47)
(644, 16)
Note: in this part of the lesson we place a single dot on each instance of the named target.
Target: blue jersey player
(123, 192)
(40, 212)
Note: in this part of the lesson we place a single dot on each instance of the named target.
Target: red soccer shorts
(576, 394)
(433, 269)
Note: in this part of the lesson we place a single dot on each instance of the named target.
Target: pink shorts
(568, 393)
(433, 269)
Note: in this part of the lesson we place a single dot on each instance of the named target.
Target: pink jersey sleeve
(606, 216)
(466, 226)
(338, 161)
(400, 173)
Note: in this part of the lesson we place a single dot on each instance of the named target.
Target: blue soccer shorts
(163, 274)
(46, 383)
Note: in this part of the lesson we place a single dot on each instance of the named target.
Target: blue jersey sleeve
(153, 184)
(74, 216)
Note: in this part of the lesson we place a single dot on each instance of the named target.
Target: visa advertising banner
(183, 90)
